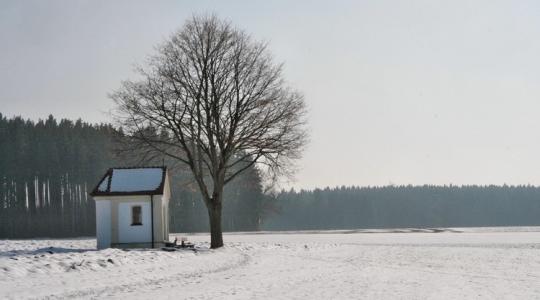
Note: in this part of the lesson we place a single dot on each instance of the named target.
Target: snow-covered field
(500, 263)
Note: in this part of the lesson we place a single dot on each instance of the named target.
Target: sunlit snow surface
(477, 263)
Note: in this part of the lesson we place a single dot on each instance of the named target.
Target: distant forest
(48, 167)
(406, 206)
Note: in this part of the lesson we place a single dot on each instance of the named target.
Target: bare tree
(213, 99)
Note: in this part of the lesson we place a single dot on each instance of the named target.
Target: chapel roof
(131, 181)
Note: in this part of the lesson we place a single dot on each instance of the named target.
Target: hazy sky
(399, 92)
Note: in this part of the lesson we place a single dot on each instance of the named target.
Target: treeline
(406, 206)
(48, 167)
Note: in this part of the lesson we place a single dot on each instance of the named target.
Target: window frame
(133, 223)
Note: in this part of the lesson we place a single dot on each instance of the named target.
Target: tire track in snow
(148, 284)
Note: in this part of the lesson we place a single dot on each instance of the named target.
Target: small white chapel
(132, 208)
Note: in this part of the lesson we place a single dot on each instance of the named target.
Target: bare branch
(213, 99)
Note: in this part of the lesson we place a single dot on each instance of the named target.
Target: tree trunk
(214, 212)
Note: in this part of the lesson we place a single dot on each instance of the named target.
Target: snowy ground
(502, 263)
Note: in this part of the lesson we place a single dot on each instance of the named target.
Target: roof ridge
(139, 167)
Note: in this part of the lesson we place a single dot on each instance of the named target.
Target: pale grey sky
(401, 92)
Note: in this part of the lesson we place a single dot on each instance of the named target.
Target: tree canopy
(213, 99)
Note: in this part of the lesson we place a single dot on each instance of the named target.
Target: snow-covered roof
(131, 181)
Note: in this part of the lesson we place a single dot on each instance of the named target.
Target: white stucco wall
(103, 223)
(165, 207)
(134, 234)
(165, 217)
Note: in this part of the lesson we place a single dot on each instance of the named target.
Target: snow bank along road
(456, 264)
